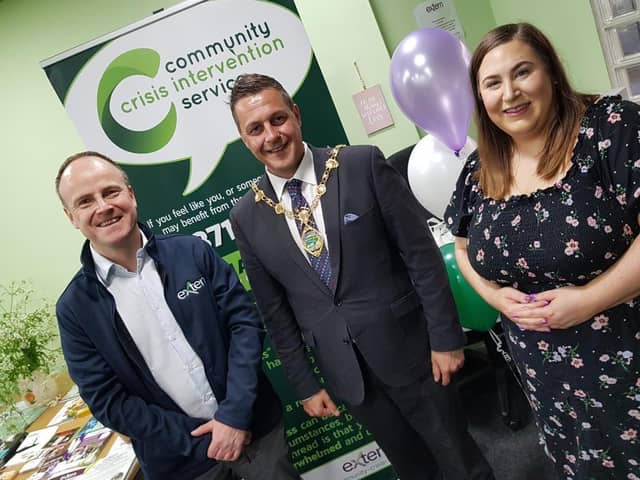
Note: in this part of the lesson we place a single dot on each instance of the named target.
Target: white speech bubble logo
(202, 50)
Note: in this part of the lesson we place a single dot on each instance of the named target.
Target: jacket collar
(89, 266)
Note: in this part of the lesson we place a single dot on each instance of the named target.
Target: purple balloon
(430, 83)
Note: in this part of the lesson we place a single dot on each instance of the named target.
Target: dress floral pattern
(583, 383)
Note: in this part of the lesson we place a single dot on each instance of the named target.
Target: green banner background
(204, 212)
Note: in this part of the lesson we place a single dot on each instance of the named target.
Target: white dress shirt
(140, 302)
(307, 175)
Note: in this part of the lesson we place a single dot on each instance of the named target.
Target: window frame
(617, 63)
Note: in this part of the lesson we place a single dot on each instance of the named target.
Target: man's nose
(102, 203)
(271, 133)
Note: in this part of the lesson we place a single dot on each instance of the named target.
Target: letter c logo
(140, 61)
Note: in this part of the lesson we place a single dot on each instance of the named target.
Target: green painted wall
(338, 41)
(570, 26)
(37, 242)
(568, 23)
(396, 19)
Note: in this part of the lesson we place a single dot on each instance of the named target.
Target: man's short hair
(252, 83)
(88, 153)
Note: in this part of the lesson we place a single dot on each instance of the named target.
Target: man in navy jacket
(163, 341)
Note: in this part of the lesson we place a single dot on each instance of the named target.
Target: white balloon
(433, 171)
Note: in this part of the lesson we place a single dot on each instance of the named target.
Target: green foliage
(27, 333)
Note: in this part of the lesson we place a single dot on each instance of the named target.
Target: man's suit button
(346, 340)
(337, 303)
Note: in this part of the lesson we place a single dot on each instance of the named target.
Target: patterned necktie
(321, 263)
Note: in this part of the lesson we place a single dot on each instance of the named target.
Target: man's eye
(522, 73)
(254, 130)
(279, 120)
(112, 193)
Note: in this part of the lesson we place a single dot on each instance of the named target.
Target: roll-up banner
(154, 97)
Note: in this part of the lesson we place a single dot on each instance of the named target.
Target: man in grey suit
(340, 261)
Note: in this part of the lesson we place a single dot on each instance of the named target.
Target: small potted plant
(28, 343)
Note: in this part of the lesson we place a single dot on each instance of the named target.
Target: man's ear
(296, 112)
(69, 215)
(133, 195)
(244, 141)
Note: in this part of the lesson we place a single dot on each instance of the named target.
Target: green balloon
(474, 312)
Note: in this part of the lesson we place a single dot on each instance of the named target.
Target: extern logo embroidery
(191, 288)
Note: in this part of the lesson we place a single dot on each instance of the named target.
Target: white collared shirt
(305, 173)
(140, 302)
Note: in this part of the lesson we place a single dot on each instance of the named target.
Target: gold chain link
(302, 214)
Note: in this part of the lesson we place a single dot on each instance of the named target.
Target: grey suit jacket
(389, 294)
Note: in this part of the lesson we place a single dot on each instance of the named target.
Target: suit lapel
(283, 235)
(330, 211)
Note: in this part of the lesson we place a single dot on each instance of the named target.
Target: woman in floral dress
(546, 219)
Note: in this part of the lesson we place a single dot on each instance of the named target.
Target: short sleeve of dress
(460, 210)
(617, 124)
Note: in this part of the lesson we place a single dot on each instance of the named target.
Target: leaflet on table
(72, 409)
(117, 464)
(32, 445)
(9, 445)
(72, 393)
(8, 475)
(92, 425)
(52, 454)
(82, 453)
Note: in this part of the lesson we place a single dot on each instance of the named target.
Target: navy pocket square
(350, 217)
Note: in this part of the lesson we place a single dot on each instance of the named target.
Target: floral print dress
(583, 383)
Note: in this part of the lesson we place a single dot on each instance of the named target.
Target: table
(78, 422)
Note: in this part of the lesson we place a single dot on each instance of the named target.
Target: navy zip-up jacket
(220, 323)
